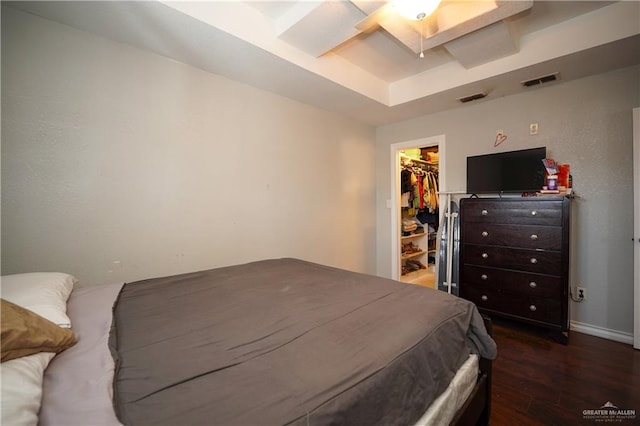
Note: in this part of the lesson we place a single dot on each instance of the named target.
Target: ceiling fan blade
(482, 18)
(372, 21)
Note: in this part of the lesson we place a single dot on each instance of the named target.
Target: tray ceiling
(361, 58)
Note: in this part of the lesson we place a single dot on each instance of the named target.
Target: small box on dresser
(514, 259)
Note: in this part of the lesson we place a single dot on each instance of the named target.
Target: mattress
(68, 400)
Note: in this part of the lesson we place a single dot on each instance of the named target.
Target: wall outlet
(582, 293)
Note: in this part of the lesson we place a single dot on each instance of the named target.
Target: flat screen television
(506, 172)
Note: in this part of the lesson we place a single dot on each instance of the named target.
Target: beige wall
(586, 123)
(118, 164)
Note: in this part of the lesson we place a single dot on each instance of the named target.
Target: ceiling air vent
(472, 97)
(540, 80)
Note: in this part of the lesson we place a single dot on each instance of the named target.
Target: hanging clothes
(431, 191)
(419, 187)
(405, 180)
(404, 200)
(421, 180)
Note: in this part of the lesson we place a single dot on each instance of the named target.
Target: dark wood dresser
(514, 259)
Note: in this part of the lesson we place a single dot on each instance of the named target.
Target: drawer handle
(485, 234)
(484, 277)
(533, 284)
(534, 260)
(484, 298)
(532, 308)
(533, 212)
(534, 237)
(485, 255)
(484, 212)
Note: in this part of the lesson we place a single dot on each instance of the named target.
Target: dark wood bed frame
(477, 408)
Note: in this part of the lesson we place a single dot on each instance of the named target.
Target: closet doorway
(417, 178)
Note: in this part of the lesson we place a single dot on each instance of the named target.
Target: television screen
(513, 171)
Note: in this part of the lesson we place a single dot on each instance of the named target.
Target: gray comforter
(286, 341)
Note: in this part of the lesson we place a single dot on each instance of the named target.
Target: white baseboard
(605, 333)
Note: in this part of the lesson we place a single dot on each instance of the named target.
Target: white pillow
(22, 388)
(44, 293)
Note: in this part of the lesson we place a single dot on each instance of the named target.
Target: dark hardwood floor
(537, 381)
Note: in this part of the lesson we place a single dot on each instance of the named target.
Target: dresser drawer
(532, 237)
(533, 212)
(540, 262)
(511, 281)
(535, 308)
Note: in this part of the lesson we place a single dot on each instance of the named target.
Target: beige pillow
(26, 333)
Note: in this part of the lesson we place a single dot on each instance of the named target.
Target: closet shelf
(412, 236)
(412, 255)
(404, 157)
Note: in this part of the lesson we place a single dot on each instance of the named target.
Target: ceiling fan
(424, 24)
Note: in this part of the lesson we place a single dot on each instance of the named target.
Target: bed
(279, 341)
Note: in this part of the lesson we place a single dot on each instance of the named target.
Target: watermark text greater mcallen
(609, 413)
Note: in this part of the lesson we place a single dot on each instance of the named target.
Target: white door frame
(636, 228)
(395, 190)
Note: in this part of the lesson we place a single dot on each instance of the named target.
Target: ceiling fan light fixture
(416, 10)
